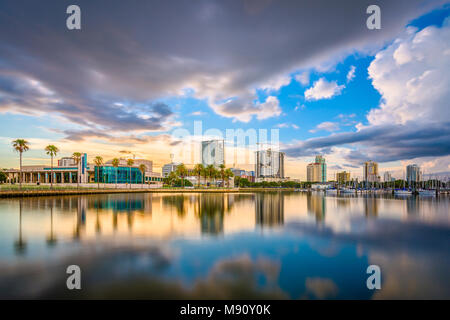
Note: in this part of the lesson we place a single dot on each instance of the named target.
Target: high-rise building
(387, 176)
(413, 173)
(168, 168)
(371, 172)
(269, 164)
(343, 177)
(317, 171)
(213, 152)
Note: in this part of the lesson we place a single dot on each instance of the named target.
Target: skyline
(352, 94)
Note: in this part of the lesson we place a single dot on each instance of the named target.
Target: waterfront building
(343, 177)
(169, 167)
(269, 164)
(387, 177)
(370, 172)
(213, 153)
(413, 173)
(67, 169)
(317, 171)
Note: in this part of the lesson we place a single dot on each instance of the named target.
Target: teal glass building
(108, 174)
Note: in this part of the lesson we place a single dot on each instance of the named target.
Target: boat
(346, 190)
(427, 192)
(402, 192)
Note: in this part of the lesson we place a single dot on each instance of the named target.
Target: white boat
(403, 192)
(427, 192)
(346, 190)
(331, 191)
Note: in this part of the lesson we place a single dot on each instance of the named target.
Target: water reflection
(210, 245)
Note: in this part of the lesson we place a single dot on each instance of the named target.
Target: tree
(228, 174)
(98, 163)
(2, 177)
(222, 173)
(51, 150)
(115, 163)
(130, 163)
(210, 171)
(143, 168)
(198, 170)
(181, 172)
(77, 157)
(21, 146)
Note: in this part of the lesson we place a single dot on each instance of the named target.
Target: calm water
(223, 246)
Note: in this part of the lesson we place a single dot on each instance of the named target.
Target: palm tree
(171, 178)
(198, 170)
(115, 163)
(77, 157)
(98, 162)
(222, 173)
(228, 174)
(181, 171)
(130, 163)
(20, 145)
(211, 172)
(51, 150)
(142, 169)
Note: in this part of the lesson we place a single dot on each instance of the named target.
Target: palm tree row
(209, 173)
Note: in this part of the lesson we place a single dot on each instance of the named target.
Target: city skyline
(355, 96)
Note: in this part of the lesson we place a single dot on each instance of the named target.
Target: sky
(140, 72)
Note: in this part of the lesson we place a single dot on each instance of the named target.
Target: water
(278, 245)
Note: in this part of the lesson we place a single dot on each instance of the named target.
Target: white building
(213, 152)
(269, 164)
(168, 168)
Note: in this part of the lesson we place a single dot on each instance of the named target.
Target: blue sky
(128, 84)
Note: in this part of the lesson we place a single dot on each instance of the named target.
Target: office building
(343, 177)
(168, 168)
(269, 164)
(413, 173)
(213, 152)
(371, 172)
(387, 177)
(317, 171)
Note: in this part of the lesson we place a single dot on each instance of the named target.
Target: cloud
(303, 78)
(410, 76)
(351, 74)
(326, 126)
(411, 121)
(382, 142)
(197, 113)
(286, 125)
(137, 54)
(322, 89)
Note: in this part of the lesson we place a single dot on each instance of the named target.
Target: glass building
(108, 175)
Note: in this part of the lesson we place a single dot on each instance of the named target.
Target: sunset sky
(138, 70)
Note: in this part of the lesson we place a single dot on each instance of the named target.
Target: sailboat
(403, 191)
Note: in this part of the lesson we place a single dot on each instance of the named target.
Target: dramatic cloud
(412, 120)
(322, 89)
(411, 76)
(130, 54)
(382, 142)
(303, 78)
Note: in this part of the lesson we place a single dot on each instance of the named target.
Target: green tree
(130, 163)
(228, 174)
(210, 172)
(181, 172)
(51, 150)
(222, 174)
(21, 146)
(198, 170)
(115, 163)
(77, 157)
(142, 169)
(2, 176)
(98, 162)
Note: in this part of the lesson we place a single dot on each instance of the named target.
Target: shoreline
(42, 193)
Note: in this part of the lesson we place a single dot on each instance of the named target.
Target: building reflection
(210, 208)
(316, 206)
(269, 209)
(370, 207)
